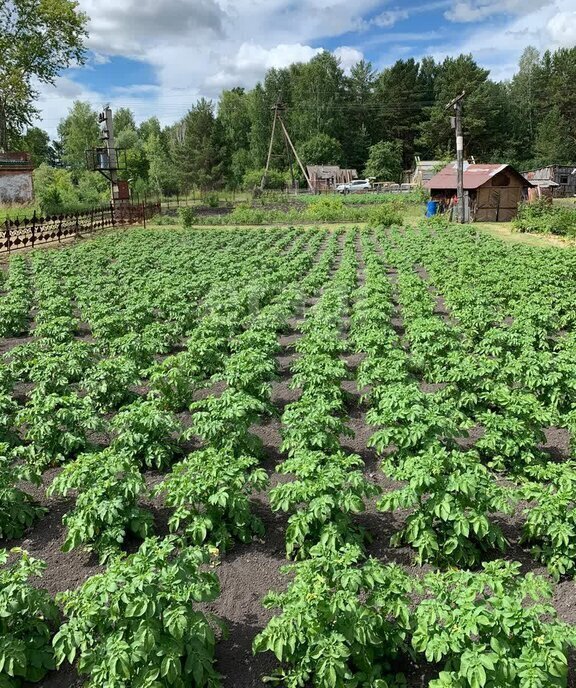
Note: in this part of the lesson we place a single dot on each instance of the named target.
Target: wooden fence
(37, 231)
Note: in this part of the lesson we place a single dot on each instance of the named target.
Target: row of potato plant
(450, 493)
(515, 379)
(210, 489)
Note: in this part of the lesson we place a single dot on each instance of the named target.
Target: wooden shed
(327, 177)
(492, 192)
(559, 180)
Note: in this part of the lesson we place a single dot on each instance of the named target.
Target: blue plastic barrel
(431, 208)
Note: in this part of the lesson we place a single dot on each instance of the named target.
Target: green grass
(505, 232)
(565, 202)
(17, 212)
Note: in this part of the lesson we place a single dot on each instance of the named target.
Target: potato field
(326, 459)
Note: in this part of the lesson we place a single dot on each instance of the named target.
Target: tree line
(374, 122)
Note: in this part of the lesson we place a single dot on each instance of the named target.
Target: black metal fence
(36, 231)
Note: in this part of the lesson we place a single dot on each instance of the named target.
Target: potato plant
(550, 524)
(18, 510)
(16, 302)
(146, 433)
(28, 619)
(209, 493)
(343, 622)
(326, 491)
(108, 486)
(493, 628)
(55, 427)
(136, 624)
(452, 496)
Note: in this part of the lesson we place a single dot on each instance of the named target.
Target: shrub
(212, 200)
(326, 209)
(187, 217)
(245, 215)
(57, 193)
(541, 217)
(384, 216)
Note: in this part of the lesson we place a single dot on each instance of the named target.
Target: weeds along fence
(36, 231)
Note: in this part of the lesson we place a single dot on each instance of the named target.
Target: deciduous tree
(38, 39)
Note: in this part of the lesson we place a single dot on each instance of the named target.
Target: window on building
(563, 179)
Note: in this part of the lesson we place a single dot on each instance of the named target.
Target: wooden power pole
(278, 108)
(456, 105)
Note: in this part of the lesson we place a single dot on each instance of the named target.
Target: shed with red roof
(492, 192)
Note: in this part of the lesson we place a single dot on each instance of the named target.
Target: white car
(358, 185)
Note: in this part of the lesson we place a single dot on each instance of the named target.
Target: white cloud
(387, 19)
(562, 29)
(348, 57)
(129, 27)
(478, 10)
(251, 61)
(547, 26)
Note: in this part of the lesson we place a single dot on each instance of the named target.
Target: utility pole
(278, 108)
(109, 160)
(456, 105)
(275, 109)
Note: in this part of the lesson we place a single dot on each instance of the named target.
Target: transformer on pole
(109, 160)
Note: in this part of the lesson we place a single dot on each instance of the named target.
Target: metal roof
(543, 182)
(475, 176)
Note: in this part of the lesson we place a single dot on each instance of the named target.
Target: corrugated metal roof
(544, 183)
(474, 176)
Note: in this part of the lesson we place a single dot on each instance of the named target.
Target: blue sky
(159, 56)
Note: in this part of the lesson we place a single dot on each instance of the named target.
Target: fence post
(33, 228)
(8, 241)
(144, 214)
(77, 225)
(59, 232)
(113, 219)
(92, 220)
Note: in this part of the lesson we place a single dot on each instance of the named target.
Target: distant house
(561, 179)
(16, 184)
(423, 171)
(327, 177)
(491, 192)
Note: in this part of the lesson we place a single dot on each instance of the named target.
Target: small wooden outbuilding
(491, 192)
(559, 180)
(327, 177)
